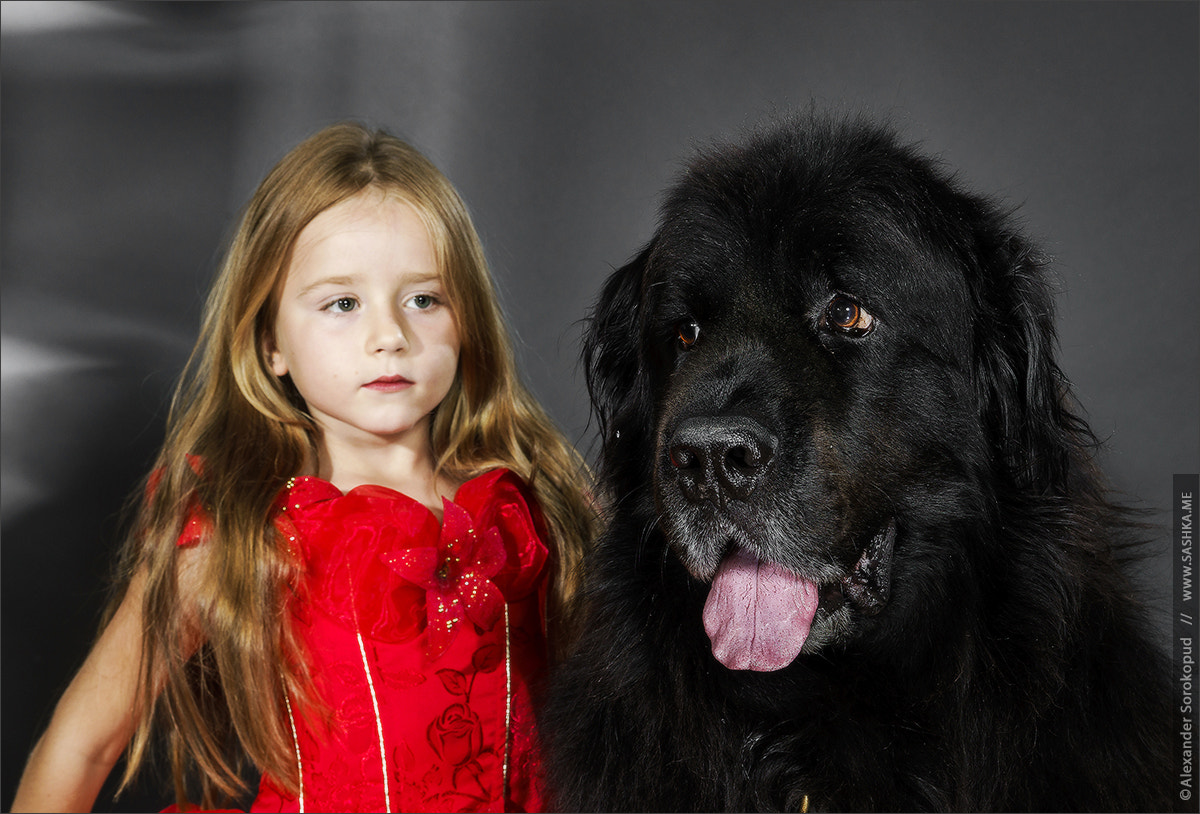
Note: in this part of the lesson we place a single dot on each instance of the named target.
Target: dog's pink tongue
(758, 614)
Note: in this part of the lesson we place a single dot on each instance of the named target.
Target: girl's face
(363, 326)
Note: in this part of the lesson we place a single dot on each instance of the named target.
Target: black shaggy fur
(992, 657)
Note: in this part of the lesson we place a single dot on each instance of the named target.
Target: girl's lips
(388, 384)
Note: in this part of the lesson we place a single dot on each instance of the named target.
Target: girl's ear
(274, 357)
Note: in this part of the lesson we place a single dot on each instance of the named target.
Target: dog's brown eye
(689, 332)
(845, 315)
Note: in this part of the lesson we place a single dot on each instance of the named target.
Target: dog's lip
(819, 576)
(869, 585)
(866, 584)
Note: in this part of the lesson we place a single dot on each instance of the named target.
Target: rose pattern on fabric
(456, 735)
(457, 738)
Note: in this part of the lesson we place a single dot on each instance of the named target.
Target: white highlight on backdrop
(34, 374)
(24, 366)
(36, 18)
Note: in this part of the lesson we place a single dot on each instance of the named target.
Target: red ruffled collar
(378, 561)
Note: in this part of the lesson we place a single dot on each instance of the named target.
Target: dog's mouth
(759, 615)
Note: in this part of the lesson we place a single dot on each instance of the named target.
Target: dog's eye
(688, 333)
(845, 315)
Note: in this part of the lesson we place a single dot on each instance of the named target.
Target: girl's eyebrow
(324, 281)
(421, 279)
(344, 280)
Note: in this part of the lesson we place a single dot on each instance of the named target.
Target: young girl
(358, 531)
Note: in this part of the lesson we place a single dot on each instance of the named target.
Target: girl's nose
(388, 332)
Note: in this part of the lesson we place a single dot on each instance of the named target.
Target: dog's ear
(611, 357)
(1024, 398)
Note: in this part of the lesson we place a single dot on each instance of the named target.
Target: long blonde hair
(250, 433)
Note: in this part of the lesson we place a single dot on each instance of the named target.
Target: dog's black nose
(718, 458)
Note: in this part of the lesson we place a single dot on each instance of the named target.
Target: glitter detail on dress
(456, 575)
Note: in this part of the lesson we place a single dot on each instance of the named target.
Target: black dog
(859, 556)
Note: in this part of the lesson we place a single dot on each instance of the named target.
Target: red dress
(426, 647)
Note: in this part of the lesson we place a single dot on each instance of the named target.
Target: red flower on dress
(456, 735)
(456, 576)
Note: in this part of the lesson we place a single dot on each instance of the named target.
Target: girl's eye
(688, 333)
(422, 301)
(845, 315)
(342, 305)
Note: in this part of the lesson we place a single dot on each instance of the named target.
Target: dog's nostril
(746, 459)
(684, 457)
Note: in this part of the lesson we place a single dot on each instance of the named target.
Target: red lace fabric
(426, 645)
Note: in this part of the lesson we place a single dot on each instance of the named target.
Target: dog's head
(818, 362)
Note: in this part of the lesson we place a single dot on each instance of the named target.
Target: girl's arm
(93, 721)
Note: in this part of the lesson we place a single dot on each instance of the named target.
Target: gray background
(132, 133)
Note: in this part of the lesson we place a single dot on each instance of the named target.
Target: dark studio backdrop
(132, 134)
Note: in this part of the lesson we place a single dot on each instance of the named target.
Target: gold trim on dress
(507, 705)
(296, 742)
(387, 795)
